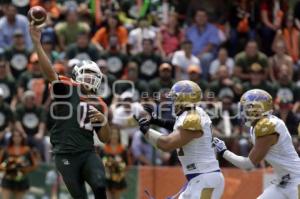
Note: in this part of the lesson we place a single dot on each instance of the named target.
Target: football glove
(219, 145)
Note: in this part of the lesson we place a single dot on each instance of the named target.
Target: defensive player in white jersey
(191, 137)
(272, 142)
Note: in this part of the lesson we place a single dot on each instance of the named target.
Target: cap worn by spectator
(18, 33)
(194, 69)
(226, 93)
(28, 94)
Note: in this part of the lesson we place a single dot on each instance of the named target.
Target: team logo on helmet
(185, 94)
(255, 104)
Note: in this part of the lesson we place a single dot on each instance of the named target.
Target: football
(37, 16)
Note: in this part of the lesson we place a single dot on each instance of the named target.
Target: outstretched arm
(174, 140)
(44, 61)
(257, 154)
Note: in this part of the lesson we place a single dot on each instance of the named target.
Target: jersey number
(84, 122)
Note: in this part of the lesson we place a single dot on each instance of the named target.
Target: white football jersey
(282, 155)
(198, 156)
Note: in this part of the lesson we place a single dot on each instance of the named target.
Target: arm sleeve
(239, 161)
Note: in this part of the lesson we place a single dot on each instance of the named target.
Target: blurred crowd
(142, 47)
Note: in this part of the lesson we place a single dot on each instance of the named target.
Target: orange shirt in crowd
(102, 36)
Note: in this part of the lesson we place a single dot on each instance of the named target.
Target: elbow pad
(239, 161)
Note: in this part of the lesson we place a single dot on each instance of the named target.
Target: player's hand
(150, 108)
(144, 124)
(219, 145)
(95, 116)
(35, 34)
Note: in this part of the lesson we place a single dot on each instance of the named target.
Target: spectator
(8, 26)
(123, 112)
(164, 81)
(83, 49)
(280, 59)
(115, 159)
(283, 110)
(6, 120)
(169, 37)
(194, 73)
(7, 84)
(22, 6)
(161, 11)
(68, 30)
(30, 122)
(48, 40)
(112, 28)
(116, 60)
(17, 160)
(224, 83)
(290, 35)
(243, 20)
(184, 58)
(222, 59)
(258, 80)
(105, 90)
(205, 39)
(287, 89)
(33, 79)
(137, 35)
(272, 15)
(131, 81)
(17, 55)
(245, 59)
(148, 61)
(227, 124)
(81, 6)
(143, 153)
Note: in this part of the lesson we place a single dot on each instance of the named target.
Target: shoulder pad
(192, 121)
(264, 127)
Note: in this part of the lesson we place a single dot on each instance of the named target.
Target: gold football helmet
(255, 104)
(185, 94)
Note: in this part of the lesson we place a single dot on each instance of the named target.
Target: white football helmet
(88, 73)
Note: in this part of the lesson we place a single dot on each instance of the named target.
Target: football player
(272, 142)
(191, 137)
(77, 112)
